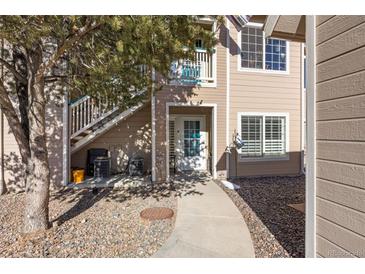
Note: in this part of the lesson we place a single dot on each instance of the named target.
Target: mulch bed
(87, 224)
(277, 229)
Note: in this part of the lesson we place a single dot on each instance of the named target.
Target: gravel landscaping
(89, 224)
(277, 229)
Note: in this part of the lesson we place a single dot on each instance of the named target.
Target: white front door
(191, 143)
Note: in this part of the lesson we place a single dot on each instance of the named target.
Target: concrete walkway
(208, 224)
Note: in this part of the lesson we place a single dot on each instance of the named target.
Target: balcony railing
(86, 112)
(197, 71)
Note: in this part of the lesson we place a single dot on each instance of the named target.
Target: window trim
(263, 70)
(264, 157)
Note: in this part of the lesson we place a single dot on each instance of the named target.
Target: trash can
(78, 175)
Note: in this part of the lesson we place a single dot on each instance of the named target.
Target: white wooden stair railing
(86, 112)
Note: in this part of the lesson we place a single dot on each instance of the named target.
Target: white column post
(153, 128)
(310, 189)
(227, 99)
(2, 128)
(1, 147)
(66, 139)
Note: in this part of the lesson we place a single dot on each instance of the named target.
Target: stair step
(99, 128)
(78, 137)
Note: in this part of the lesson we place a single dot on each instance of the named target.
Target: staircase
(90, 118)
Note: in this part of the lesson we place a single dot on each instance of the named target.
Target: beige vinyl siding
(54, 127)
(128, 138)
(13, 169)
(266, 92)
(340, 127)
(195, 96)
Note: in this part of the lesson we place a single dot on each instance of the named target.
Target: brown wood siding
(266, 92)
(131, 137)
(340, 133)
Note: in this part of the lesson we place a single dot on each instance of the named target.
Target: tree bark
(38, 173)
(3, 188)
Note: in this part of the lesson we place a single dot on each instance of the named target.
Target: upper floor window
(199, 44)
(260, 53)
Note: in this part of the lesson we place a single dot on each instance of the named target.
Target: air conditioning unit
(102, 167)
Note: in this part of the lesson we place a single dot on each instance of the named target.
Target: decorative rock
(277, 230)
(109, 227)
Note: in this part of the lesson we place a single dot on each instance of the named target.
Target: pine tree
(97, 55)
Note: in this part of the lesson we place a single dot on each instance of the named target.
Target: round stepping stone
(156, 213)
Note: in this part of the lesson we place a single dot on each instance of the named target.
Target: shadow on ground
(181, 185)
(269, 198)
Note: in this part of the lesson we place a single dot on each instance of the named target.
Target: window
(252, 48)
(275, 54)
(199, 44)
(191, 138)
(265, 135)
(260, 53)
(251, 134)
(274, 135)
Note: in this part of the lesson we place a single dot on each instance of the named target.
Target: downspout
(310, 179)
(228, 152)
(302, 110)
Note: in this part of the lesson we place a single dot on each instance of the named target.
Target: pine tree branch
(16, 74)
(67, 44)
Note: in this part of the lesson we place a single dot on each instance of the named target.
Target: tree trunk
(3, 188)
(37, 191)
(38, 173)
(38, 179)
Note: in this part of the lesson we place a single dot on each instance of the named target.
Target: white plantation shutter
(274, 135)
(263, 135)
(251, 135)
(172, 137)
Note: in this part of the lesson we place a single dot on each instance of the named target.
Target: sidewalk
(208, 224)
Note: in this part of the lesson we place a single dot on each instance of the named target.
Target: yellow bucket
(78, 175)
